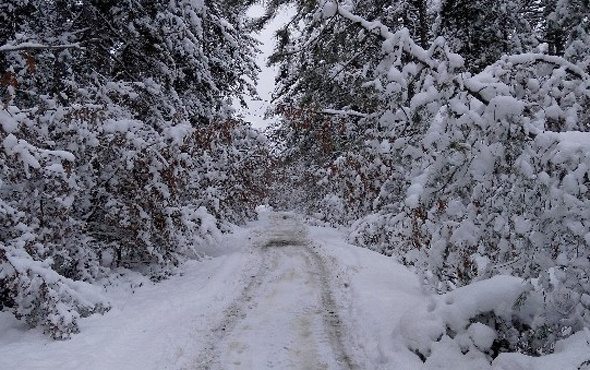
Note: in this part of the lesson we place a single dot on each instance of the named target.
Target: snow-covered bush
(121, 195)
(41, 296)
(476, 320)
(489, 189)
(467, 176)
(120, 153)
(41, 248)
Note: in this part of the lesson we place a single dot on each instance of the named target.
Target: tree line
(452, 135)
(119, 149)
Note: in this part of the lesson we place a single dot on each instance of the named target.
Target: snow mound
(452, 319)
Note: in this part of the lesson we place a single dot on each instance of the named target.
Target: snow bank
(402, 327)
(392, 322)
(571, 353)
(453, 315)
(150, 326)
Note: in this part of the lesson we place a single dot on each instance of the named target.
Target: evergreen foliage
(118, 148)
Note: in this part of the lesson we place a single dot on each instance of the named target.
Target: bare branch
(32, 46)
(337, 112)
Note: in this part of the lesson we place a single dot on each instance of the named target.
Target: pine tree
(567, 29)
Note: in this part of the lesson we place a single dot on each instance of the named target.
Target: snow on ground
(282, 295)
(158, 327)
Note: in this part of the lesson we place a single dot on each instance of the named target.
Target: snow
(329, 9)
(505, 106)
(415, 191)
(120, 125)
(9, 143)
(157, 327)
(423, 98)
(179, 132)
(32, 45)
(534, 57)
(62, 154)
(310, 301)
(570, 144)
(482, 335)
(455, 60)
(574, 140)
(8, 121)
(25, 151)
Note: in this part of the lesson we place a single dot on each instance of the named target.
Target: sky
(257, 108)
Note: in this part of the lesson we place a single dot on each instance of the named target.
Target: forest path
(275, 294)
(286, 317)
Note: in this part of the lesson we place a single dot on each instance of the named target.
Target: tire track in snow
(208, 357)
(333, 323)
(286, 316)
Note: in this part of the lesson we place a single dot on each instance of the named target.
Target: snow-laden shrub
(480, 319)
(108, 191)
(42, 297)
(489, 186)
(461, 176)
(42, 250)
(120, 153)
(485, 321)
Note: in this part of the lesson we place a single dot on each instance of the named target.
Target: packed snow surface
(280, 294)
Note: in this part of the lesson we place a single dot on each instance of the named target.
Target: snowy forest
(450, 135)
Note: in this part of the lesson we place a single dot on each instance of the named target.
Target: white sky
(257, 108)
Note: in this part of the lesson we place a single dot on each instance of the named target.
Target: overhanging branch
(31, 46)
(338, 112)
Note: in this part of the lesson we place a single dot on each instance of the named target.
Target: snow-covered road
(286, 317)
(281, 295)
(274, 295)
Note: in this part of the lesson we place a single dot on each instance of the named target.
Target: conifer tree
(477, 30)
(567, 29)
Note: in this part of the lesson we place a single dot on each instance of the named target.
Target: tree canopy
(119, 148)
(452, 135)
